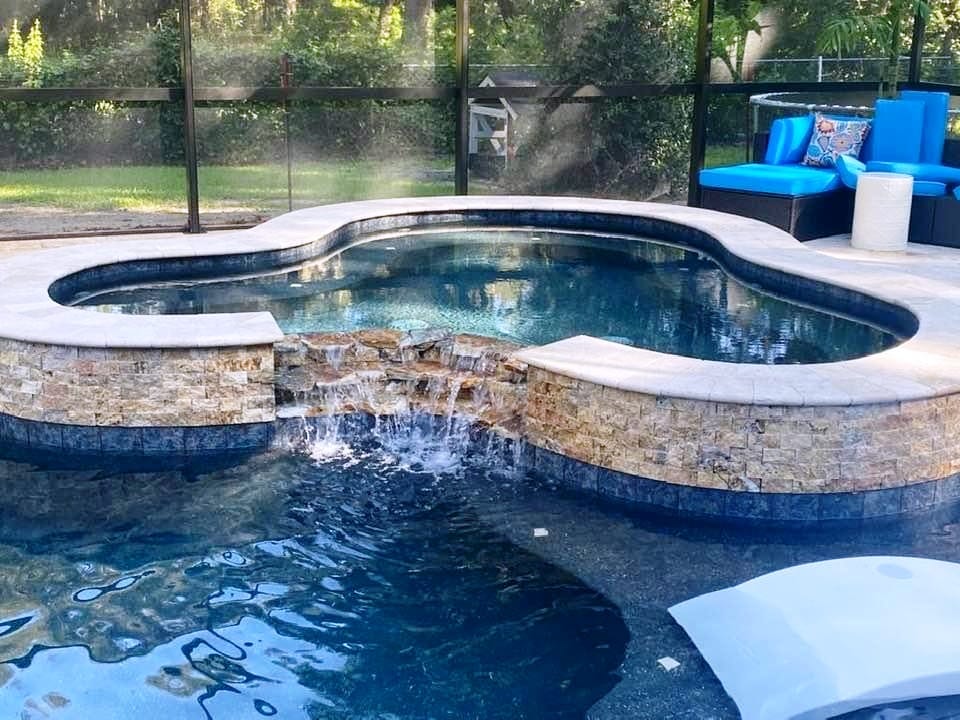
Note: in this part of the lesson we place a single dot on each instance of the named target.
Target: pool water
(531, 286)
(380, 576)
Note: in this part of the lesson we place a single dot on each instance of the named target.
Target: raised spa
(528, 285)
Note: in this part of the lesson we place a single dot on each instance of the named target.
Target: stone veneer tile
(136, 387)
(775, 449)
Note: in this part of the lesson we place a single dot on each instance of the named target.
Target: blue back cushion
(936, 106)
(897, 133)
(789, 138)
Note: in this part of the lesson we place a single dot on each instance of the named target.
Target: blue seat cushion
(789, 139)
(786, 180)
(929, 188)
(850, 169)
(920, 171)
(897, 132)
(936, 106)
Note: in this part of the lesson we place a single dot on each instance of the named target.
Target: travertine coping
(923, 366)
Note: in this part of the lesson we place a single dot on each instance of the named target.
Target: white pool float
(815, 641)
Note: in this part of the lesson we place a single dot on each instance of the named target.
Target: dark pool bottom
(393, 577)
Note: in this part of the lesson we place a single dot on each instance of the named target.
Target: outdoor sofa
(906, 135)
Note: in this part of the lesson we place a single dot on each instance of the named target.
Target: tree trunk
(415, 26)
(383, 22)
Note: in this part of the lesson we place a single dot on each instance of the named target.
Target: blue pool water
(392, 576)
(531, 286)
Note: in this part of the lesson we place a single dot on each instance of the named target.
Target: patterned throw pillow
(834, 136)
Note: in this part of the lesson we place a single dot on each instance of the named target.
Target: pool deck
(925, 281)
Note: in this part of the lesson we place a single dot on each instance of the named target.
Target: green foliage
(635, 148)
(33, 55)
(732, 25)
(15, 44)
(26, 57)
(886, 26)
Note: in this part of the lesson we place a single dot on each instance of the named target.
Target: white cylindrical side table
(881, 213)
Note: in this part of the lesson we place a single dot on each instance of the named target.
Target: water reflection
(274, 586)
(531, 287)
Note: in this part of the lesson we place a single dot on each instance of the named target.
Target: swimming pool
(528, 285)
(425, 579)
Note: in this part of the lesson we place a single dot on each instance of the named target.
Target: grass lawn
(718, 155)
(246, 188)
(255, 187)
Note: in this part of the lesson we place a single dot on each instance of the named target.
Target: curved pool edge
(884, 423)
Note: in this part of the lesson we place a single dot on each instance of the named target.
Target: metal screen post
(286, 75)
(189, 120)
(462, 139)
(698, 140)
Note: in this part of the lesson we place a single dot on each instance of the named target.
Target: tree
(32, 62)
(15, 44)
(733, 22)
(884, 26)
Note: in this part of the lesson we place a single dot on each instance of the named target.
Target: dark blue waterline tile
(16, 430)
(877, 503)
(249, 437)
(701, 501)
(655, 492)
(550, 465)
(753, 505)
(617, 484)
(164, 440)
(921, 496)
(81, 438)
(794, 507)
(46, 436)
(948, 488)
(841, 506)
(205, 439)
(581, 475)
(121, 440)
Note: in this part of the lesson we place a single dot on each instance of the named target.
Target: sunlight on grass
(253, 187)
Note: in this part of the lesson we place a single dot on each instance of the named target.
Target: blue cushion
(789, 138)
(787, 180)
(929, 188)
(849, 169)
(936, 106)
(897, 132)
(920, 171)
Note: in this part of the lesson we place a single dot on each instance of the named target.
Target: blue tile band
(737, 505)
(115, 440)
